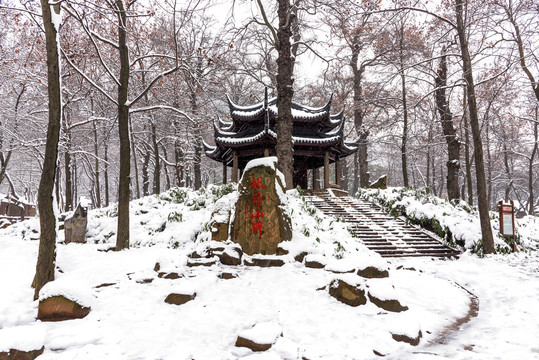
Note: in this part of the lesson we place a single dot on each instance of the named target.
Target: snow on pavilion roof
(252, 128)
(304, 116)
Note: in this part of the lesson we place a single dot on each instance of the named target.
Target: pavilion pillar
(326, 170)
(315, 179)
(224, 173)
(235, 167)
(337, 171)
(266, 152)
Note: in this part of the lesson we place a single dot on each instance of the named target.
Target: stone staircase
(380, 232)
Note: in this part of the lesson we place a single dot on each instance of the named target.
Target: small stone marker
(75, 226)
(260, 223)
(381, 183)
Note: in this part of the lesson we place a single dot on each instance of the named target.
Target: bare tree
(450, 133)
(122, 99)
(47, 219)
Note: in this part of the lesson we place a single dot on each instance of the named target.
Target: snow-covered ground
(130, 320)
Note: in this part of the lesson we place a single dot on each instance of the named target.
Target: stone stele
(260, 223)
(75, 226)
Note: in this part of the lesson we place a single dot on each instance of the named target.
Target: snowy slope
(130, 320)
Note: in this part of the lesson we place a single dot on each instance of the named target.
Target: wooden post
(235, 167)
(337, 171)
(315, 179)
(326, 170)
(224, 173)
(266, 152)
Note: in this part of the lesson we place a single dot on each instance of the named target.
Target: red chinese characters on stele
(256, 214)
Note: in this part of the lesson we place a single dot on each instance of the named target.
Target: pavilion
(317, 135)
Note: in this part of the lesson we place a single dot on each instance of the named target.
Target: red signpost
(507, 221)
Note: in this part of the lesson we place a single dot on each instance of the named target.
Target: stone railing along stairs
(380, 232)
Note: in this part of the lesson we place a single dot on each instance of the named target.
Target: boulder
(14, 354)
(201, 262)
(260, 223)
(414, 341)
(315, 261)
(260, 337)
(219, 231)
(264, 261)
(179, 299)
(227, 276)
(75, 226)
(349, 294)
(382, 294)
(59, 308)
(231, 257)
(172, 276)
(299, 257)
(371, 272)
(381, 183)
(392, 305)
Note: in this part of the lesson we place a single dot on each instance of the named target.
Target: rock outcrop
(260, 223)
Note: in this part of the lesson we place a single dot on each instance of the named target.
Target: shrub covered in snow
(454, 221)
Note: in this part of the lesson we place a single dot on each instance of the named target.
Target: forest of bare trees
(442, 95)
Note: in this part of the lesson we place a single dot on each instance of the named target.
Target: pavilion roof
(252, 130)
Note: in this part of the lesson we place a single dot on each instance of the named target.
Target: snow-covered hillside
(289, 304)
(457, 222)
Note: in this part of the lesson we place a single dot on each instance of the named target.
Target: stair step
(387, 235)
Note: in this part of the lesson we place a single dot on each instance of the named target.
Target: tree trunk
(145, 176)
(135, 162)
(122, 240)
(285, 92)
(469, 184)
(68, 182)
(97, 182)
(179, 157)
(356, 173)
(361, 158)
(198, 157)
(530, 166)
(47, 220)
(486, 229)
(450, 133)
(404, 127)
(157, 168)
(507, 170)
(106, 172)
(165, 167)
(489, 166)
(344, 174)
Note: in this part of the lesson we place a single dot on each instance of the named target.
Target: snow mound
(24, 338)
(71, 287)
(265, 332)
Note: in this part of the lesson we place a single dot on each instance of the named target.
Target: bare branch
(164, 73)
(81, 73)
